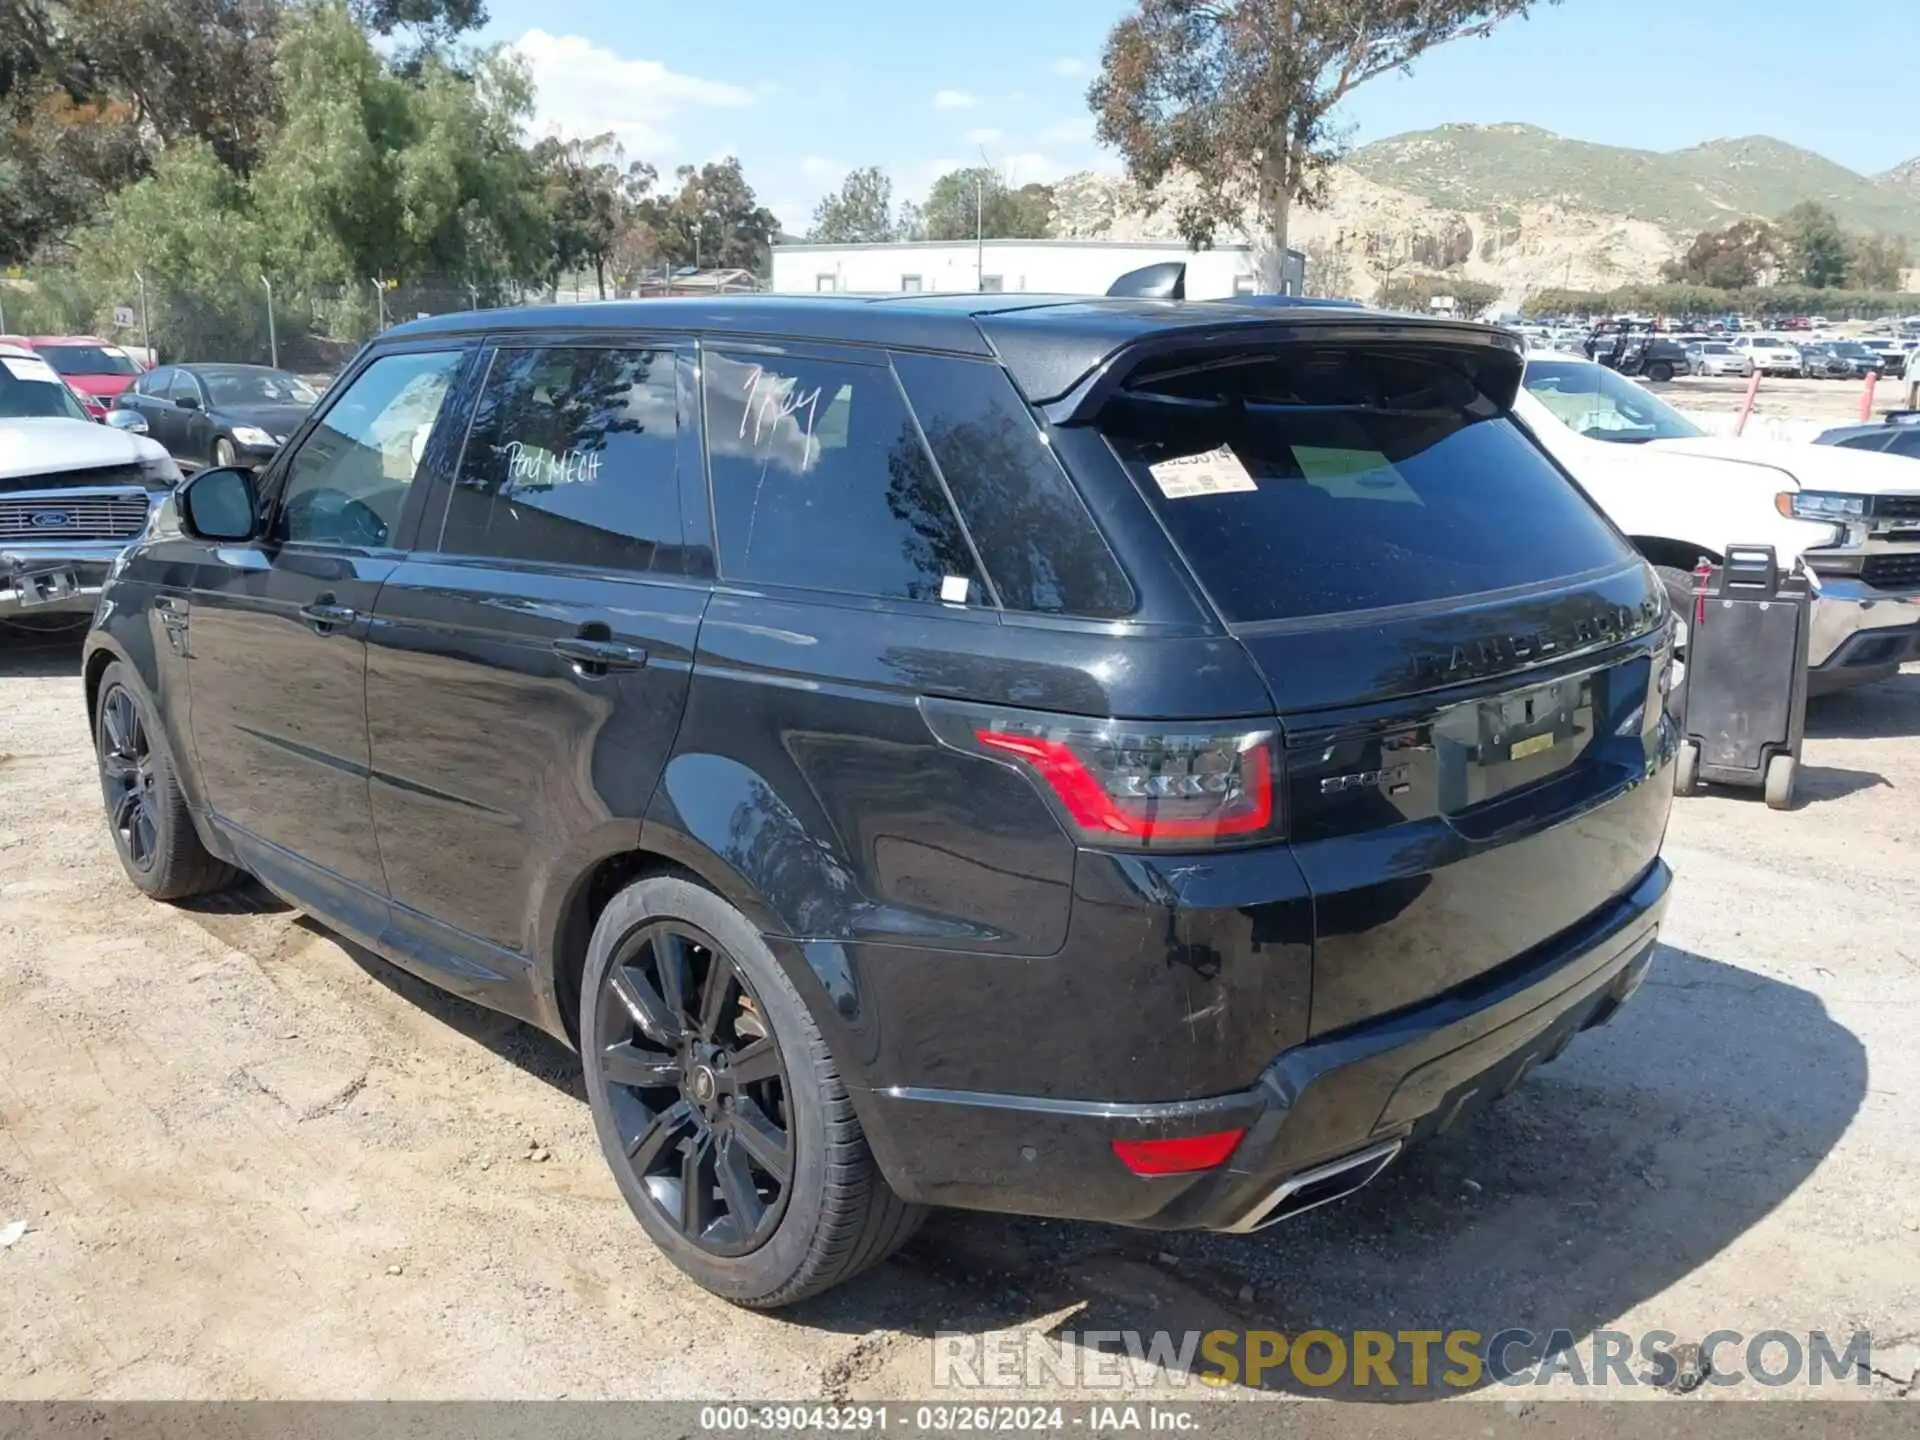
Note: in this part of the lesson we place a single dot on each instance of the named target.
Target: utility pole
(379, 304)
(146, 338)
(979, 233)
(273, 336)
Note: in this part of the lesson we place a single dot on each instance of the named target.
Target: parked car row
(203, 414)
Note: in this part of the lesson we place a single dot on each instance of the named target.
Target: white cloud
(1027, 167)
(1068, 67)
(986, 135)
(582, 88)
(1075, 131)
(818, 167)
(954, 100)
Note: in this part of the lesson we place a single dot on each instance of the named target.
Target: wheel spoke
(696, 1187)
(764, 1142)
(736, 1184)
(713, 995)
(754, 1063)
(658, 1134)
(125, 811)
(114, 721)
(118, 766)
(627, 1064)
(672, 958)
(649, 1012)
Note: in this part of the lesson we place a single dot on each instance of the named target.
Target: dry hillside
(1519, 208)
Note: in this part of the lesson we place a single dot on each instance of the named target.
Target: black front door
(529, 661)
(278, 631)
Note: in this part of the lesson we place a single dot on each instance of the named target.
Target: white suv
(1770, 354)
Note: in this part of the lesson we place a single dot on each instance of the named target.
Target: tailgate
(1444, 832)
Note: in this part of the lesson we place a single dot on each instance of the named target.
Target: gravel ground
(258, 1162)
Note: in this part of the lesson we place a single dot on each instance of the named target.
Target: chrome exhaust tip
(1319, 1186)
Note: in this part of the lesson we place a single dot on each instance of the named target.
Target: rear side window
(1035, 537)
(572, 459)
(1314, 481)
(821, 481)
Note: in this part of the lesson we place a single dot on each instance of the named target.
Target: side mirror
(218, 505)
(131, 421)
(187, 402)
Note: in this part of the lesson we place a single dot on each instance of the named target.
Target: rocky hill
(1522, 208)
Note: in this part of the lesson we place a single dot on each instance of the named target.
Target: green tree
(978, 200)
(1471, 298)
(860, 212)
(1238, 95)
(1816, 248)
(1875, 262)
(712, 220)
(1729, 259)
(592, 195)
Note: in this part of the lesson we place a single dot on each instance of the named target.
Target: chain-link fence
(311, 330)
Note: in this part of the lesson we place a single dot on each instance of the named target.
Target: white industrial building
(1052, 267)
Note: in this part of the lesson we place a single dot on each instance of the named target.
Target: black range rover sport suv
(1129, 760)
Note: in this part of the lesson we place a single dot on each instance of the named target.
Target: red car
(94, 369)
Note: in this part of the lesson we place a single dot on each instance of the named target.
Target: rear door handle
(324, 613)
(596, 657)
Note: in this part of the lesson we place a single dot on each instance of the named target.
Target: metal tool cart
(1746, 682)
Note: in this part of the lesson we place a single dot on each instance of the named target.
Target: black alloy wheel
(127, 774)
(697, 1087)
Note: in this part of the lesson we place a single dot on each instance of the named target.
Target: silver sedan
(1711, 357)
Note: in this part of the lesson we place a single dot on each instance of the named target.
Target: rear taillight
(1184, 1156)
(1134, 785)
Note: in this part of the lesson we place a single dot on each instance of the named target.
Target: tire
(1660, 372)
(223, 452)
(147, 815)
(1686, 768)
(1781, 774)
(663, 1081)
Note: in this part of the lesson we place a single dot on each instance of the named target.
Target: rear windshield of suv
(1313, 482)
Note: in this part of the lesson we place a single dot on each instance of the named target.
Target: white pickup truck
(1679, 494)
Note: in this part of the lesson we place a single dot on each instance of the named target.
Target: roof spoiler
(1165, 281)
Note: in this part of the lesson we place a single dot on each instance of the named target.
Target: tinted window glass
(820, 480)
(1319, 482)
(571, 459)
(1907, 442)
(182, 387)
(1034, 535)
(1869, 440)
(347, 482)
(154, 382)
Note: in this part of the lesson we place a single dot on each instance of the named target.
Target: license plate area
(45, 587)
(1488, 748)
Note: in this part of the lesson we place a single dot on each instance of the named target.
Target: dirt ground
(1837, 402)
(257, 1162)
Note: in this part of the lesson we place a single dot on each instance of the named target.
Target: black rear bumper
(1349, 1093)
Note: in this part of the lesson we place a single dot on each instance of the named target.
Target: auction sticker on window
(1211, 472)
(29, 367)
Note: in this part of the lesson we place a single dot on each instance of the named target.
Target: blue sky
(803, 90)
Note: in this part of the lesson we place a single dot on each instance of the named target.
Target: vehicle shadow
(1883, 710)
(1646, 1150)
(520, 1044)
(35, 654)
